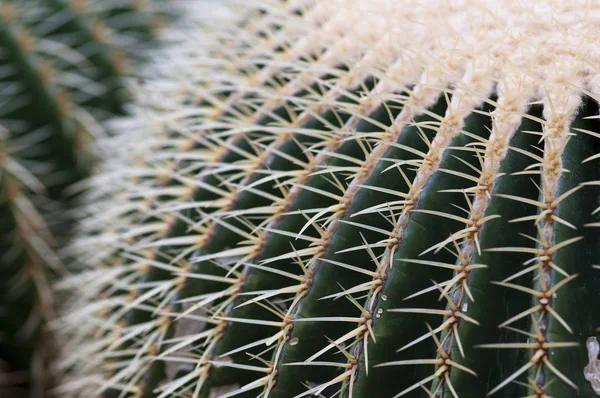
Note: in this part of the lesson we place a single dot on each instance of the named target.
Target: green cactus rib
(105, 58)
(312, 200)
(479, 280)
(49, 111)
(568, 249)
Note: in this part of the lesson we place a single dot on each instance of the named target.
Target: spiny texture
(349, 199)
(60, 68)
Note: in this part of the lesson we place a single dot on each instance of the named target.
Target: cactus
(61, 64)
(347, 199)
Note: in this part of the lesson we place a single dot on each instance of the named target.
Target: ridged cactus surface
(61, 63)
(348, 199)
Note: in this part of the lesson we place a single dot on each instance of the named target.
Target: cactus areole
(348, 198)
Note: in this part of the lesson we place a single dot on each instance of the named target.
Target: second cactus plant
(61, 64)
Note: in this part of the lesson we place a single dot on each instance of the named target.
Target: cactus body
(348, 199)
(60, 73)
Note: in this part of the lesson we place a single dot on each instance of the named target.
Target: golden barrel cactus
(348, 198)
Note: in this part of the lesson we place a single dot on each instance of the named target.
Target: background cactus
(60, 68)
(348, 198)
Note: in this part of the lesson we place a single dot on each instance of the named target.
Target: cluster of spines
(58, 80)
(293, 177)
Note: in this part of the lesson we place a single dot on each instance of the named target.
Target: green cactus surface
(347, 198)
(61, 64)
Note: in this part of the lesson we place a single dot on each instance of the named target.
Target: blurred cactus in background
(61, 66)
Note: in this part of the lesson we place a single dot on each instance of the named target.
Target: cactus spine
(60, 68)
(345, 199)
